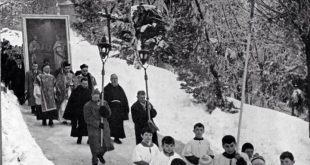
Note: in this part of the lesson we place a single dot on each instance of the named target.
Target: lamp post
(104, 49)
(144, 56)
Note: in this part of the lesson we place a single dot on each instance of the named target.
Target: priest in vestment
(46, 93)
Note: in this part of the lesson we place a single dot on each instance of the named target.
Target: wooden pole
(102, 100)
(147, 95)
(245, 72)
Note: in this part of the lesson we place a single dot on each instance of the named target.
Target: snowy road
(61, 149)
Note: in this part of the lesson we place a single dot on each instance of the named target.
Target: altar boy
(146, 151)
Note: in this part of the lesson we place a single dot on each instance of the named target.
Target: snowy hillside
(271, 132)
(19, 147)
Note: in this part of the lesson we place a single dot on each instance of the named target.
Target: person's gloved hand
(101, 125)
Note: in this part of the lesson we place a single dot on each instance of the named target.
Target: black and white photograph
(155, 82)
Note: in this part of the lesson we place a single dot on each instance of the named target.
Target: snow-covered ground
(18, 146)
(270, 131)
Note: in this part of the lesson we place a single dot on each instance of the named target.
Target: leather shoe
(117, 141)
(101, 159)
(79, 140)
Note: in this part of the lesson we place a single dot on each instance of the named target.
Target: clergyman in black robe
(17, 77)
(117, 100)
(74, 110)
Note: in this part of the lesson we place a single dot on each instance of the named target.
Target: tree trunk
(307, 47)
(219, 95)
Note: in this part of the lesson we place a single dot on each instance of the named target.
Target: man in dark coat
(140, 117)
(83, 73)
(93, 112)
(74, 110)
(17, 78)
(29, 86)
(117, 100)
(5, 50)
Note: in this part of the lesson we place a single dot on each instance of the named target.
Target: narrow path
(61, 149)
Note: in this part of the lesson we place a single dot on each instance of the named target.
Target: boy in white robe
(197, 147)
(287, 158)
(145, 151)
(231, 156)
(167, 155)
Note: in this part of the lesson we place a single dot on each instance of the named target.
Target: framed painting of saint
(46, 40)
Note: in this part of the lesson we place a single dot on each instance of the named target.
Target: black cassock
(74, 110)
(140, 118)
(117, 100)
(17, 78)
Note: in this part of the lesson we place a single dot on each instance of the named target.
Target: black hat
(83, 66)
(45, 64)
(66, 63)
(5, 42)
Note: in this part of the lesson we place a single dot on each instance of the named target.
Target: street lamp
(104, 50)
(143, 57)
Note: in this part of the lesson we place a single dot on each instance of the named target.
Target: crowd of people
(12, 69)
(198, 151)
(67, 96)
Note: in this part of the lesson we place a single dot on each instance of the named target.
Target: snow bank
(15, 37)
(19, 147)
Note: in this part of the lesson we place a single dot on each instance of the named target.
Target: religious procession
(151, 83)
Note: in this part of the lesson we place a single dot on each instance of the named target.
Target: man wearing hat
(64, 86)
(8, 66)
(4, 57)
(17, 78)
(84, 73)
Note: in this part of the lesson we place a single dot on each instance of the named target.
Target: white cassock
(222, 160)
(162, 159)
(145, 153)
(197, 148)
